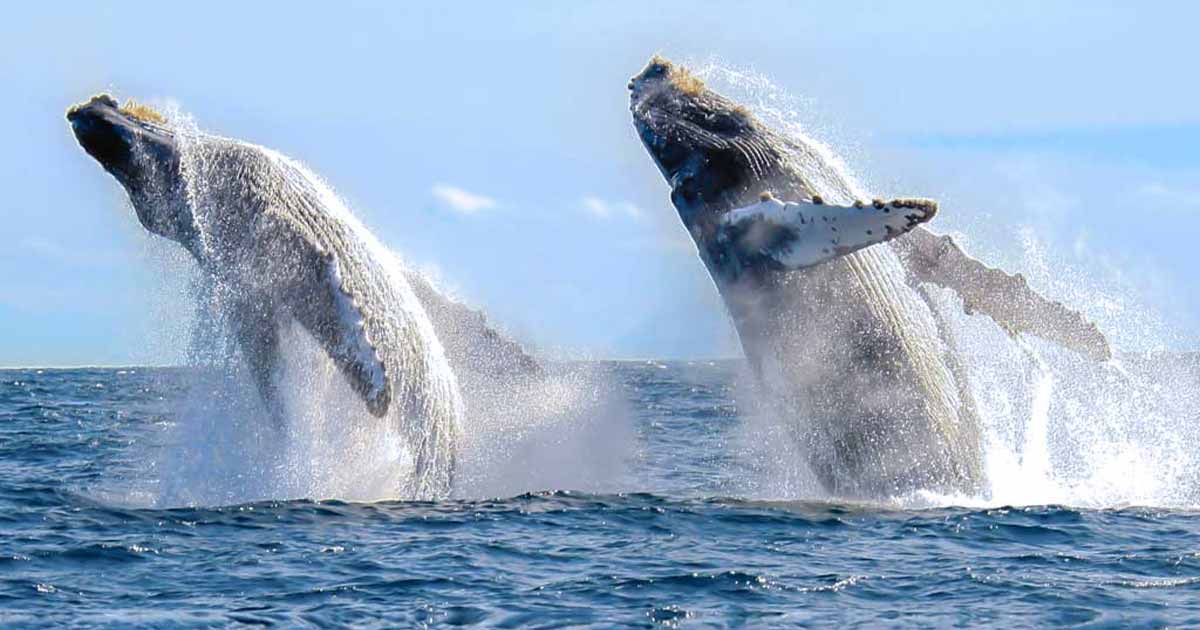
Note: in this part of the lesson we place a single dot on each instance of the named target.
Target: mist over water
(570, 430)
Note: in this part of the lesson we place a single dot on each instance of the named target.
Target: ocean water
(695, 528)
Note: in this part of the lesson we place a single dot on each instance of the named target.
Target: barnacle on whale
(679, 76)
(131, 108)
(142, 112)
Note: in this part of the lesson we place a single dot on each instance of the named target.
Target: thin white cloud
(45, 248)
(1171, 195)
(602, 209)
(461, 201)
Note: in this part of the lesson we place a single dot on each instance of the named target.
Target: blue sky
(493, 145)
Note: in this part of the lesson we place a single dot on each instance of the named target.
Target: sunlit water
(681, 528)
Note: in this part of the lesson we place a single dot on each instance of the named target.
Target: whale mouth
(113, 134)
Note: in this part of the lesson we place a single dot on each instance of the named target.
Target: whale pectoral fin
(257, 332)
(798, 235)
(333, 316)
(317, 296)
(1006, 298)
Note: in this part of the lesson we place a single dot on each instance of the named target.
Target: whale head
(701, 141)
(139, 148)
(734, 183)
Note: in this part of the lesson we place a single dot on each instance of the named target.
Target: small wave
(1160, 582)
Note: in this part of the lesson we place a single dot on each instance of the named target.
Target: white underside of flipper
(795, 235)
(323, 300)
(355, 348)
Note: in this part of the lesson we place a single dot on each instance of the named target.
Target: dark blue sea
(681, 540)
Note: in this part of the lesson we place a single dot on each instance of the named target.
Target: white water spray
(557, 429)
(1035, 453)
(1058, 428)
(317, 440)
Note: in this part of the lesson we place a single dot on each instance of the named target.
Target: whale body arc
(285, 250)
(836, 326)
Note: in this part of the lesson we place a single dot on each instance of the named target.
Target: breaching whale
(286, 252)
(832, 317)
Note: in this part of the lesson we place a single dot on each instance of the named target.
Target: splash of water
(553, 429)
(318, 440)
(1057, 427)
(568, 429)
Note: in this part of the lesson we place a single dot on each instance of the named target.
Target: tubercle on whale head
(660, 68)
(699, 140)
(143, 112)
(138, 147)
(666, 87)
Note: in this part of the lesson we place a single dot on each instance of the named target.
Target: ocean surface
(681, 540)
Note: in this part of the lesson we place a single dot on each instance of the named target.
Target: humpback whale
(285, 251)
(828, 293)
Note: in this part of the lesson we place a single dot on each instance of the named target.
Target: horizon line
(11, 368)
